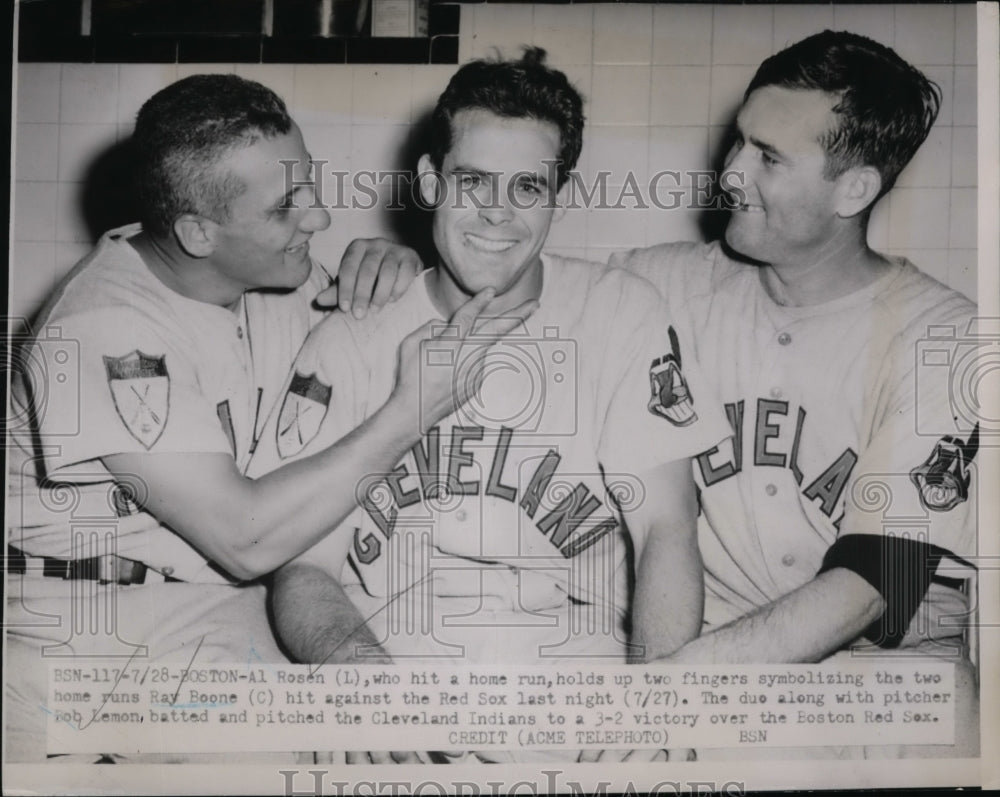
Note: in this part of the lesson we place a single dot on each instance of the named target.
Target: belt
(105, 569)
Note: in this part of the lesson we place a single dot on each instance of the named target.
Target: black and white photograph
(424, 396)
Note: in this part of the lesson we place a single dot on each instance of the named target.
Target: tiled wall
(661, 83)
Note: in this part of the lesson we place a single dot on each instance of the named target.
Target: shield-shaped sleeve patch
(302, 413)
(140, 388)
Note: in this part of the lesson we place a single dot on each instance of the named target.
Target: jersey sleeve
(323, 399)
(918, 475)
(115, 383)
(658, 407)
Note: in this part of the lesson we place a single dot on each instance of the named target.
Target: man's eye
(528, 187)
(469, 180)
(770, 160)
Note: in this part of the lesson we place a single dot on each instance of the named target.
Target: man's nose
(316, 219)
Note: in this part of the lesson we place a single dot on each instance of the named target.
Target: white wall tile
(322, 94)
(35, 211)
(376, 147)
(80, 145)
(963, 271)
(964, 170)
(37, 152)
(742, 34)
(428, 83)
(680, 95)
(728, 85)
(965, 33)
(619, 150)
(793, 23)
(32, 277)
(874, 21)
(38, 92)
(919, 218)
(682, 34)
(931, 166)
(623, 34)
(71, 226)
(137, 83)
(620, 95)
(963, 214)
(924, 33)
(501, 26)
(680, 149)
(331, 143)
(616, 227)
(88, 93)
(965, 96)
(566, 32)
(381, 95)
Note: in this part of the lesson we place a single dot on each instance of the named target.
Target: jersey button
(771, 489)
(239, 332)
(461, 515)
(784, 338)
(776, 392)
(167, 571)
(788, 560)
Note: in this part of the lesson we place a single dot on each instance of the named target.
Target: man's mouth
(748, 208)
(489, 244)
(298, 248)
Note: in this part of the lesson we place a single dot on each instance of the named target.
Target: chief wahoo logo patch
(943, 480)
(302, 412)
(140, 388)
(671, 398)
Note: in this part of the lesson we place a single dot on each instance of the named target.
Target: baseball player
(144, 393)
(843, 508)
(507, 533)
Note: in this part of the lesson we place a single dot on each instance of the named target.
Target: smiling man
(509, 531)
(814, 342)
(144, 395)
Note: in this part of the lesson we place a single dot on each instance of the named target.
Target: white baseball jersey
(122, 364)
(846, 420)
(509, 509)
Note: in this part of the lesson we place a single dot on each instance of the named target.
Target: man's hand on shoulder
(373, 271)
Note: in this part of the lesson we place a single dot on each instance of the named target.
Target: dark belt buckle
(119, 570)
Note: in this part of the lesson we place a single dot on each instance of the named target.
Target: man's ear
(859, 187)
(195, 234)
(429, 181)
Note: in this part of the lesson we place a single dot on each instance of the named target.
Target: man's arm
(667, 608)
(250, 527)
(805, 625)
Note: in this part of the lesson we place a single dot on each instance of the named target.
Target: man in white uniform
(143, 395)
(843, 510)
(509, 531)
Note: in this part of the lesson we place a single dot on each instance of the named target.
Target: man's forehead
(787, 115)
(478, 128)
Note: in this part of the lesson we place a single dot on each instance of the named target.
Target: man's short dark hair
(181, 135)
(885, 107)
(520, 89)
